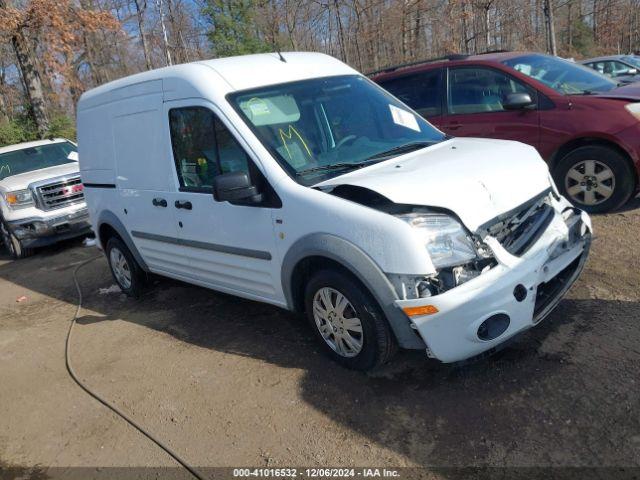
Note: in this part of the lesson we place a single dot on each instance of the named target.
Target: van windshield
(562, 75)
(324, 127)
(35, 158)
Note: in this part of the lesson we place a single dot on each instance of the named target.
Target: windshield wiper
(378, 157)
(400, 149)
(334, 166)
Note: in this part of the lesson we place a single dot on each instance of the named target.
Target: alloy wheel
(338, 322)
(590, 182)
(120, 267)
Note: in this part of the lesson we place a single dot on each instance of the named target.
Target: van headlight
(18, 198)
(446, 240)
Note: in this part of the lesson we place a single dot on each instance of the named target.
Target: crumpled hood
(477, 179)
(22, 180)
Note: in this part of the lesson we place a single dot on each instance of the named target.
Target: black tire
(137, 276)
(13, 244)
(378, 342)
(623, 181)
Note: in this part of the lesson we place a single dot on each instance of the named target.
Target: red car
(583, 124)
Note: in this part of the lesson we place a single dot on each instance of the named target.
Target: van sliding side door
(143, 175)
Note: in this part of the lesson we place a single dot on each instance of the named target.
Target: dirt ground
(229, 382)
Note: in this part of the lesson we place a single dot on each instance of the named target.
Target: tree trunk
(570, 25)
(31, 78)
(143, 36)
(32, 82)
(595, 20)
(165, 38)
(551, 29)
(487, 30)
(3, 109)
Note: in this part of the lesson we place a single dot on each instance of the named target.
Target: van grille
(521, 230)
(60, 193)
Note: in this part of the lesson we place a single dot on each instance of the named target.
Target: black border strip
(99, 185)
(243, 252)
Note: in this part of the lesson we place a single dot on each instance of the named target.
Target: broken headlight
(446, 240)
(456, 255)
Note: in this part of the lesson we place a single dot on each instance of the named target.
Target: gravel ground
(229, 382)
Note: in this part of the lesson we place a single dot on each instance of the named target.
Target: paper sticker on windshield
(258, 107)
(403, 118)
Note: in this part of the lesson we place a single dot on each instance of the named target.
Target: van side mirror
(518, 101)
(235, 188)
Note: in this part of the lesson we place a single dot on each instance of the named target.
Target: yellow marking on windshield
(287, 136)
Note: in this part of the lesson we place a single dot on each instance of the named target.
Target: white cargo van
(293, 180)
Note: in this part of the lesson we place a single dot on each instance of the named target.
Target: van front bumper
(38, 232)
(545, 274)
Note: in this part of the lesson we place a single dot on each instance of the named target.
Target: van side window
(203, 148)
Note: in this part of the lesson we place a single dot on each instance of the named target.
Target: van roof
(237, 73)
(36, 143)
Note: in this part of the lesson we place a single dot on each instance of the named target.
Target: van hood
(22, 180)
(477, 179)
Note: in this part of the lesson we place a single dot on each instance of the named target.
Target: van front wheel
(347, 321)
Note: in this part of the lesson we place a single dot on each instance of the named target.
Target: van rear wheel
(347, 321)
(595, 178)
(124, 268)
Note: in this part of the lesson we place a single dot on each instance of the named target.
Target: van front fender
(356, 261)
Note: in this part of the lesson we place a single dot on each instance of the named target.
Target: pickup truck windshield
(324, 127)
(563, 76)
(35, 158)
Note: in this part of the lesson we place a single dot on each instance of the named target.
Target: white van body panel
(127, 166)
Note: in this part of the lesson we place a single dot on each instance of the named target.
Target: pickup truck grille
(518, 232)
(60, 193)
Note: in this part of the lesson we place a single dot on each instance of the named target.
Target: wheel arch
(591, 141)
(317, 251)
(110, 225)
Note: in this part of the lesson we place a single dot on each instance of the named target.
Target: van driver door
(230, 248)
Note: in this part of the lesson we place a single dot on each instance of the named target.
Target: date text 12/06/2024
(316, 472)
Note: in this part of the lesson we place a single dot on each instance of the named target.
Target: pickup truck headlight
(446, 240)
(633, 109)
(19, 198)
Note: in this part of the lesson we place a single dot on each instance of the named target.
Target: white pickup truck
(41, 195)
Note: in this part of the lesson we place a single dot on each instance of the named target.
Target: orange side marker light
(422, 310)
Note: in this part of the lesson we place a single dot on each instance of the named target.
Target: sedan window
(477, 90)
(563, 76)
(422, 91)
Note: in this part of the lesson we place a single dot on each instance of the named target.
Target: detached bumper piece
(39, 232)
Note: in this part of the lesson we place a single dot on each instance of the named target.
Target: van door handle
(453, 126)
(159, 202)
(185, 205)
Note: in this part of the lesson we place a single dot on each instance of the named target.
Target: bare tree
(141, 7)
